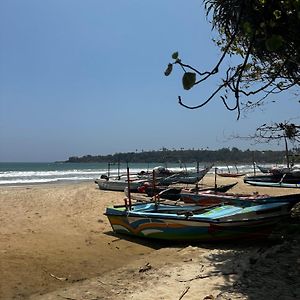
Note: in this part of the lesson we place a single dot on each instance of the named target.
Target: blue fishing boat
(211, 197)
(190, 222)
(287, 180)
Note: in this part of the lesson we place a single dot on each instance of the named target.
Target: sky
(87, 77)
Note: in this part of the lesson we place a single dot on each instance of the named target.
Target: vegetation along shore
(224, 155)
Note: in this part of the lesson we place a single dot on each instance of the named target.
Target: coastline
(56, 244)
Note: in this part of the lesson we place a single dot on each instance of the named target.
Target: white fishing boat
(118, 184)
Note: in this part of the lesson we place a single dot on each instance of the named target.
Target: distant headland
(224, 155)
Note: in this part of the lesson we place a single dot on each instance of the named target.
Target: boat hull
(222, 223)
(231, 174)
(284, 181)
(118, 185)
(185, 178)
(156, 228)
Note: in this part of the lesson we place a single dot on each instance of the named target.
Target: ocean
(39, 173)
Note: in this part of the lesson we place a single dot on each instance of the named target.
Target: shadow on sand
(262, 269)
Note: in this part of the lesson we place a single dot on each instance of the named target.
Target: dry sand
(55, 243)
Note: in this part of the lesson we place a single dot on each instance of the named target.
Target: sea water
(60, 172)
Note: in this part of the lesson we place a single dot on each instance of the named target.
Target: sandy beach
(55, 243)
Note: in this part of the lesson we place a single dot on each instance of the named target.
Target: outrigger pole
(128, 182)
(154, 187)
(216, 178)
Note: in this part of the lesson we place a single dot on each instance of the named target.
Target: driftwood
(214, 273)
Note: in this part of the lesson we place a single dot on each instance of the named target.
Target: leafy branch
(263, 34)
(287, 131)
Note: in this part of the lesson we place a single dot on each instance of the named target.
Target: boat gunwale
(198, 220)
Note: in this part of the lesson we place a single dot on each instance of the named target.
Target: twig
(103, 282)
(115, 240)
(209, 275)
(68, 298)
(58, 278)
(145, 268)
(184, 292)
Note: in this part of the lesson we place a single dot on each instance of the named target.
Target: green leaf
(274, 42)
(168, 70)
(175, 55)
(262, 2)
(247, 27)
(188, 80)
(277, 14)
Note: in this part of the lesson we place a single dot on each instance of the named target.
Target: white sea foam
(30, 176)
(43, 180)
(48, 173)
(25, 181)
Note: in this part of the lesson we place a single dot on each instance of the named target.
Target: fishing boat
(274, 180)
(164, 192)
(175, 193)
(177, 223)
(118, 184)
(229, 173)
(187, 177)
(263, 169)
(277, 170)
(211, 197)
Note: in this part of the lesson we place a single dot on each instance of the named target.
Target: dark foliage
(224, 155)
(264, 34)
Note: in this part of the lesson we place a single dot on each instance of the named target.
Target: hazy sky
(84, 77)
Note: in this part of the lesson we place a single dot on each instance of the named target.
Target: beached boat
(293, 171)
(187, 177)
(174, 193)
(164, 192)
(171, 222)
(118, 185)
(121, 182)
(262, 169)
(279, 180)
(211, 197)
(231, 174)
